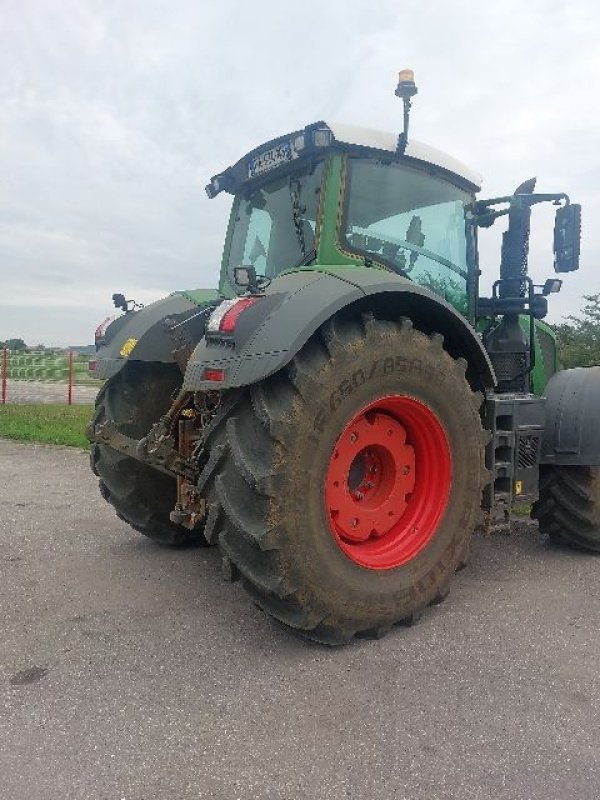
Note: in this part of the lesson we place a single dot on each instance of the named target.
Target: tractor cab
(336, 195)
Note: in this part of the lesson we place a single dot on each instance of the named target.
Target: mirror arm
(485, 216)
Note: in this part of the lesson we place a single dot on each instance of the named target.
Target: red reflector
(213, 375)
(230, 317)
(92, 366)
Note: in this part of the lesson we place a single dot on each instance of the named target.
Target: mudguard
(572, 429)
(269, 333)
(143, 336)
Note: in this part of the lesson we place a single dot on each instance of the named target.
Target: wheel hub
(388, 482)
(371, 474)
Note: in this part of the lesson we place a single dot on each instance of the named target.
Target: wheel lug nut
(405, 470)
(354, 523)
(358, 495)
(353, 437)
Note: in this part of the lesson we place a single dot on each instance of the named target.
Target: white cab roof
(383, 140)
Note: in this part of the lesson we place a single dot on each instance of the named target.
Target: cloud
(113, 115)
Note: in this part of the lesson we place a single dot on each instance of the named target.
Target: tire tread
(568, 508)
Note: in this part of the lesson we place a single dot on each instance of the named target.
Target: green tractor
(343, 412)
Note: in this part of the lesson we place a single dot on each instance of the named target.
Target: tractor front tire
(344, 490)
(136, 397)
(568, 509)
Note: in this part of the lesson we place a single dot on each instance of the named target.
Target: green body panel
(328, 248)
(199, 297)
(539, 374)
(541, 369)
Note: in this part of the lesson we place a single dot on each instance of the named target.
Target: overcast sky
(113, 115)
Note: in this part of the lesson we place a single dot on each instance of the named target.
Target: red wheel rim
(388, 482)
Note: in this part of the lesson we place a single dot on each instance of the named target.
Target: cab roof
(357, 136)
(351, 138)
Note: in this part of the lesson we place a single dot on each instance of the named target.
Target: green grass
(49, 424)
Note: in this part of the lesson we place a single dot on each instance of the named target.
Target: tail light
(225, 316)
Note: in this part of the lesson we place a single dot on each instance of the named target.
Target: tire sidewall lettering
(391, 365)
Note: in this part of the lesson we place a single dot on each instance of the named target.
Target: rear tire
(568, 509)
(135, 398)
(265, 482)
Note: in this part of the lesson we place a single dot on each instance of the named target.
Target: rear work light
(225, 316)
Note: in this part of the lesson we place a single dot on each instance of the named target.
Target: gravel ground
(131, 671)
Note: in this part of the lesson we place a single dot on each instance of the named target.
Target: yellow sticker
(128, 347)
(518, 487)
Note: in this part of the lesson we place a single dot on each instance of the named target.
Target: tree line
(14, 344)
(579, 336)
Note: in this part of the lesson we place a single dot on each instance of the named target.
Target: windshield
(274, 227)
(412, 222)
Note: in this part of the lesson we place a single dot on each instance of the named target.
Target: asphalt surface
(47, 392)
(131, 671)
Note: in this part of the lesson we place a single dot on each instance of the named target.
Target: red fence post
(4, 372)
(70, 395)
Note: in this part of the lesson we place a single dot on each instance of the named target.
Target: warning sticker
(128, 347)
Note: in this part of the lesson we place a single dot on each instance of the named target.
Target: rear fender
(572, 429)
(155, 332)
(269, 333)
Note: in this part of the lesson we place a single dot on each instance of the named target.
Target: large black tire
(264, 480)
(568, 509)
(135, 398)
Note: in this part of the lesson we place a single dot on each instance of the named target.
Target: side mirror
(567, 238)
